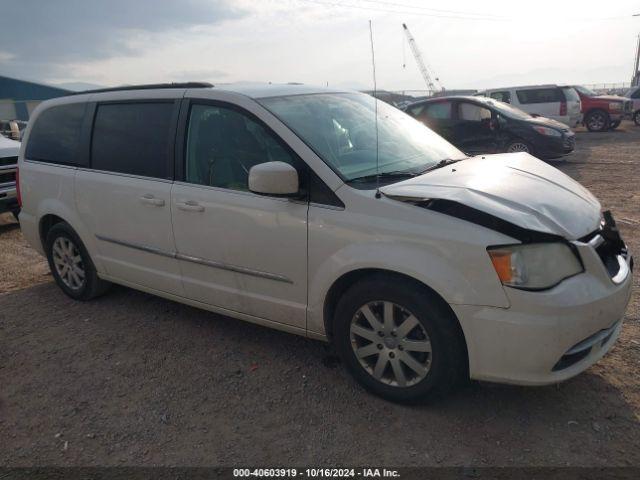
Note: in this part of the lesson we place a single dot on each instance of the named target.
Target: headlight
(534, 266)
(615, 106)
(550, 132)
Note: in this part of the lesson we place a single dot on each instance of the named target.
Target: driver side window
(223, 144)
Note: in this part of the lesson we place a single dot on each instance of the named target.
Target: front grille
(7, 177)
(6, 161)
(612, 244)
(569, 143)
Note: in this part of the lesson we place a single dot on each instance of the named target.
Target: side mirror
(274, 178)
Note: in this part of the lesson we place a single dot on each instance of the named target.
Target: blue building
(18, 98)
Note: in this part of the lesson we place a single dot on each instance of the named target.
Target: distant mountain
(79, 86)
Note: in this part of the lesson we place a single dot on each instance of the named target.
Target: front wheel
(71, 265)
(597, 121)
(398, 340)
(636, 118)
(518, 146)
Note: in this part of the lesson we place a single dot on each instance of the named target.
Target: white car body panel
(273, 261)
(239, 259)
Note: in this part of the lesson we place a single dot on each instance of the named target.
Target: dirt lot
(137, 380)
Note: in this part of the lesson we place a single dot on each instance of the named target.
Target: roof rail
(149, 86)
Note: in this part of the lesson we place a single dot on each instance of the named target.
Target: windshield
(585, 91)
(570, 94)
(508, 110)
(340, 128)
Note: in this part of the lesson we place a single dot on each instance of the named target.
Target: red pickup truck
(601, 112)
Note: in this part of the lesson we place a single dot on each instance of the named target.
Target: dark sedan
(480, 125)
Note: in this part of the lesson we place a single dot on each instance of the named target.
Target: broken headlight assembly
(535, 266)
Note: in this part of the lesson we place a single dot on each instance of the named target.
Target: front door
(475, 129)
(238, 250)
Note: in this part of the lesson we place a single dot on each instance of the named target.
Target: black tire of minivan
(636, 118)
(614, 125)
(91, 286)
(597, 121)
(448, 365)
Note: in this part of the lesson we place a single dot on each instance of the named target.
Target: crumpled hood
(515, 187)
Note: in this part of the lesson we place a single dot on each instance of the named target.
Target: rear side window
(540, 95)
(438, 110)
(56, 135)
(133, 138)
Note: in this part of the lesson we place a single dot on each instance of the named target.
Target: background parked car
(602, 112)
(634, 95)
(8, 164)
(12, 129)
(480, 125)
(551, 101)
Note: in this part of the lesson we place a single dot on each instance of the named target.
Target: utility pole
(635, 79)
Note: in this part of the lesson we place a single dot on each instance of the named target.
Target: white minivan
(558, 103)
(292, 207)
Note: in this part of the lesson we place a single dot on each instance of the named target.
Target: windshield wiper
(440, 164)
(383, 176)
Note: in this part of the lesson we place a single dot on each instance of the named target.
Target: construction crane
(420, 61)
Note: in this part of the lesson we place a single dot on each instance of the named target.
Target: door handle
(190, 206)
(151, 200)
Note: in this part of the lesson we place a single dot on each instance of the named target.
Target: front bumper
(552, 147)
(548, 336)
(8, 198)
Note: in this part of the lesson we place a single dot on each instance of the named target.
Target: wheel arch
(344, 282)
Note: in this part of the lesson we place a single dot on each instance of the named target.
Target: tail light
(563, 108)
(18, 195)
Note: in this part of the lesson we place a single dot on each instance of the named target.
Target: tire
(597, 121)
(614, 125)
(65, 249)
(636, 118)
(517, 145)
(435, 328)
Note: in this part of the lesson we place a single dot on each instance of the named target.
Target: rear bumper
(549, 336)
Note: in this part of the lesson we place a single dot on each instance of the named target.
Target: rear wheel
(597, 121)
(71, 265)
(614, 125)
(399, 341)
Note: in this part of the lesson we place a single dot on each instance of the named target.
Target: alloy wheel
(390, 344)
(68, 263)
(518, 147)
(597, 121)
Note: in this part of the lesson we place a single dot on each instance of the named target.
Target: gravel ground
(130, 379)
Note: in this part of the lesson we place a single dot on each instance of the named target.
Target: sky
(466, 43)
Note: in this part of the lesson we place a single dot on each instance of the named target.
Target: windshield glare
(340, 128)
(509, 110)
(585, 91)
